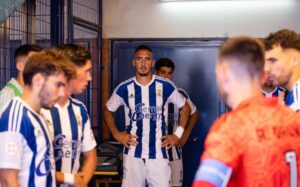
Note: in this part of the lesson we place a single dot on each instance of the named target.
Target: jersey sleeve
(224, 146)
(177, 98)
(192, 106)
(11, 150)
(226, 142)
(188, 100)
(88, 142)
(6, 94)
(115, 101)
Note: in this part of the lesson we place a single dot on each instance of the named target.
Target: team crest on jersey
(131, 95)
(159, 92)
(79, 120)
(48, 122)
(38, 132)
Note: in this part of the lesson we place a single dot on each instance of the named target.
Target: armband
(179, 131)
(69, 178)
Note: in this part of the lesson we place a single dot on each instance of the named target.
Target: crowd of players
(44, 130)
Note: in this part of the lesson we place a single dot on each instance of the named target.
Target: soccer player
(165, 68)
(69, 123)
(145, 98)
(258, 142)
(283, 64)
(15, 86)
(26, 156)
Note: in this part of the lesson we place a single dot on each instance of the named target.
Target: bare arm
(170, 140)
(9, 177)
(89, 165)
(192, 122)
(122, 137)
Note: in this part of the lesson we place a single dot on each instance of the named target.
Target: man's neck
(294, 78)
(62, 101)
(244, 93)
(20, 80)
(144, 80)
(31, 99)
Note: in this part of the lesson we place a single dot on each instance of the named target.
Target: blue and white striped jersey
(173, 122)
(26, 145)
(70, 129)
(146, 110)
(292, 99)
(274, 93)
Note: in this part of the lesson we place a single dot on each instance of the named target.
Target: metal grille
(29, 23)
(87, 10)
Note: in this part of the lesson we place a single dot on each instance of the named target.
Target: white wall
(203, 19)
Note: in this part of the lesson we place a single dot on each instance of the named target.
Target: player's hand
(126, 139)
(78, 180)
(181, 142)
(169, 140)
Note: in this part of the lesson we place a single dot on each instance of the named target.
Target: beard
(44, 97)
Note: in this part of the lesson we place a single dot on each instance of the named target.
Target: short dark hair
(287, 39)
(164, 62)
(78, 54)
(142, 47)
(247, 51)
(47, 63)
(24, 50)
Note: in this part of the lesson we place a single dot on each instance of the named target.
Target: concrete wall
(201, 19)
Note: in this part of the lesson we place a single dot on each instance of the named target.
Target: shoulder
(125, 83)
(13, 115)
(78, 103)
(164, 81)
(183, 92)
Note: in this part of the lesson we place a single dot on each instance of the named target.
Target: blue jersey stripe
(139, 123)
(74, 130)
(28, 132)
(125, 98)
(57, 131)
(166, 93)
(183, 93)
(5, 117)
(48, 155)
(152, 137)
(170, 126)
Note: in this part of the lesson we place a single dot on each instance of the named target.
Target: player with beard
(26, 157)
(145, 98)
(69, 123)
(257, 143)
(269, 90)
(283, 64)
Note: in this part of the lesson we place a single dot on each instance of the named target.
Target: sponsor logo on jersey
(146, 112)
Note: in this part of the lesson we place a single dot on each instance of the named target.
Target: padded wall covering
(7, 7)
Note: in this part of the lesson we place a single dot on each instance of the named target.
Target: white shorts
(176, 172)
(136, 171)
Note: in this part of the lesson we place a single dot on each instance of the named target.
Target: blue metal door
(195, 65)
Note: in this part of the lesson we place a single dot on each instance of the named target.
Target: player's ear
(38, 80)
(296, 59)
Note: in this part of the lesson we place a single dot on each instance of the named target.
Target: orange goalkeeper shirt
(255, 145)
